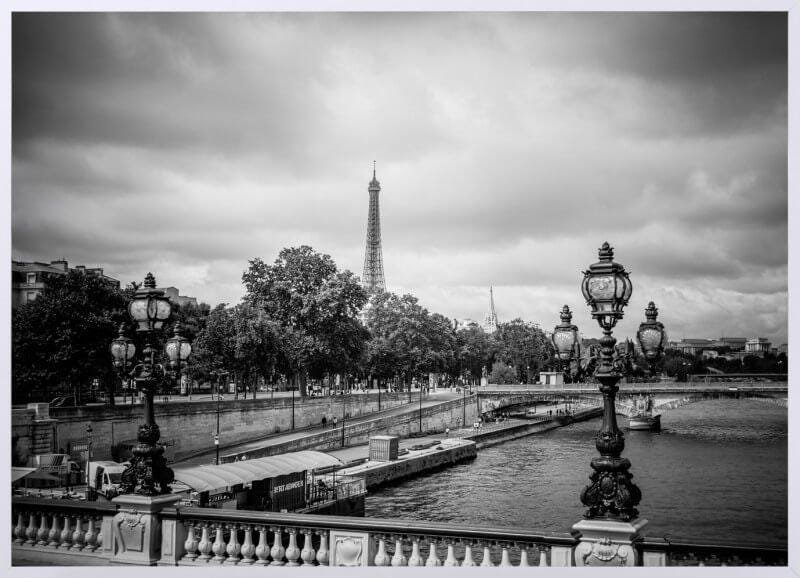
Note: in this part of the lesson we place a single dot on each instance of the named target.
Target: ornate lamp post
(651, 337)
(149, 309)
(122, 352)
(610, 494)
(565, 340)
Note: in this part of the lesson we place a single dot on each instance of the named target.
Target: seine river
(717, 470)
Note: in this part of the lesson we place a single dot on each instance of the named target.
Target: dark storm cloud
(509, 147)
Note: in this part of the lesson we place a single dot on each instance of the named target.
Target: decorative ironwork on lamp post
(565, 341)
(148, 473)
(652, 338)
(610, 494)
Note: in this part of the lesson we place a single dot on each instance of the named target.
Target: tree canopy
(61, 339)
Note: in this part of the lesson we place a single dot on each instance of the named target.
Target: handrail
(372, 525)
(64, 504)
(667, 543)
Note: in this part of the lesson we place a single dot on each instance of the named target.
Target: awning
(19, 473)
(205, 478)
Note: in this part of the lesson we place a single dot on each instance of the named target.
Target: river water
(717, 470)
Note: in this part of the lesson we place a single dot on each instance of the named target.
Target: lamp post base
(607, 542)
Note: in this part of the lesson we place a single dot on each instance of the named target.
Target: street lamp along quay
(565, 340)
(148, 473)
(610, 494)
(651, 337)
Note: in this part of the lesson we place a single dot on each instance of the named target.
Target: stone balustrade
(68, 530)
(138, 530)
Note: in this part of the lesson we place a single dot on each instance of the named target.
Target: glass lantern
(565, 336)
(149, 308)
(606, 288)
(122, 349)
(651, 335)
(177, 348)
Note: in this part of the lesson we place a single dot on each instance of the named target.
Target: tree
(61, 339)
(503, 374)
(315, 307)
(475, 349)
(406, 339)
(522, 345)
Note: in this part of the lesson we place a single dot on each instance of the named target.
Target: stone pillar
(136, 529)
(607, 542)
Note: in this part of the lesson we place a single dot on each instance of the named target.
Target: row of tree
(301, 319)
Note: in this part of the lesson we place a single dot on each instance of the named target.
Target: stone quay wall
(190, 426)
(434, 419)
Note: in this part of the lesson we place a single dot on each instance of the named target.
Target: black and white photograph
(299, 285)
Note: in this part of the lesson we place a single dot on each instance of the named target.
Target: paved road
(208, 457)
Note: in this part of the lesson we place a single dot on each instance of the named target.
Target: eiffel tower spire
(372, 277)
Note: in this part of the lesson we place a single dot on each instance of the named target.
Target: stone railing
(670, 552)
(144, 531)
(261, 538)
(71, 531)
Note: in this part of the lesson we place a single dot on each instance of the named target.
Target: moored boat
(644, 418)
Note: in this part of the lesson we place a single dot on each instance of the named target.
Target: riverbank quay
(432, 410)
(495, 433)
(425, 456)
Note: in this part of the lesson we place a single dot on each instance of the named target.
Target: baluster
(262, 550)
(205, 545)
(523, 556)
(323, 555)
(233, 547)
(451, 555)
(292, 551)
(55, 533)
(277, 550)
(219, 546)
(91, 535)
(504, 559)
(31, 530)
(415, 559)
(66, 534)
(19, 529)
(542, 556)
(381, 558)
(99, 534)
(433, 557)
(468, 559)
(77, 535)
(399, 558)
(43, 531)
(487, 557)
(190, 545)
(307, 554)
(248, 548)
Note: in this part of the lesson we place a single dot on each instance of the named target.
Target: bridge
(666, 395)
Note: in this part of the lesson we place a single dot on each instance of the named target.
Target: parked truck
(105, 478)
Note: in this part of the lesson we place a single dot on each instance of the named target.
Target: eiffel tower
(372, 278)
(490, 322)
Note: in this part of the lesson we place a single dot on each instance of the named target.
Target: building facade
(173, 295)
(29, 278)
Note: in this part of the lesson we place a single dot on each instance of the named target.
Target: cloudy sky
(508, 146)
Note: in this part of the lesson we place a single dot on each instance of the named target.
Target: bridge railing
(62, 532)
(671, 552)
(68, 530)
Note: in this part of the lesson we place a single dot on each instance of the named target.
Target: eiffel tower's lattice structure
(372, 278)
(490, 322)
